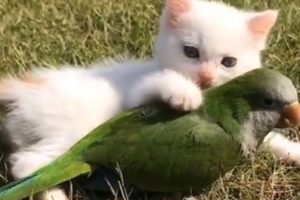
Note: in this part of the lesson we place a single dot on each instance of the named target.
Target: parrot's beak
(290, 116)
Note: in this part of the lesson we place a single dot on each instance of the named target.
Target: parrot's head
(259, 100)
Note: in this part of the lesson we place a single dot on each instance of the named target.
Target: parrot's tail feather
(13, 184)
(41, 180)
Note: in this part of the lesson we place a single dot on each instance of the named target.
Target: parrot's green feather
(39, 181)
(167, 143)
(163, 150)
(183, 146)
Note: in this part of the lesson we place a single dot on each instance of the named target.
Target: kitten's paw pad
(185, 99)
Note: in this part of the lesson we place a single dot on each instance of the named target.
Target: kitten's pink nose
(206, 74)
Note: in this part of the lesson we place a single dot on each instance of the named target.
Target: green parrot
(162, 150)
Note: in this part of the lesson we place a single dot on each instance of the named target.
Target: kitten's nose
(205, 80)
(206, 74)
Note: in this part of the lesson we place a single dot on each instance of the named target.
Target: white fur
(217, 30)
(180, 92)
(47, 119)
(53, 194)
(282, 147)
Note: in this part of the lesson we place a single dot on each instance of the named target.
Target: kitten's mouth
(205, 84)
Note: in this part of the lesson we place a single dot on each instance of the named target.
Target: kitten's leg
(282, 147)
(28, 160)
(168, 86)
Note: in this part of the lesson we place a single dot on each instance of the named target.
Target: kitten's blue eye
(191, 52)
(229, 62)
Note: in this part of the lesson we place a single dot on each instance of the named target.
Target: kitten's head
(211, 42)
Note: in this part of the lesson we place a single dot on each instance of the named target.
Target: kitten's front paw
(185, 97)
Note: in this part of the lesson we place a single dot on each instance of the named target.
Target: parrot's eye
(268, 102)
(191, 52)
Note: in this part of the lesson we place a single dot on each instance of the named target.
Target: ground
(52, 32)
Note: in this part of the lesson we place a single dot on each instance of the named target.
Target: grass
(38, 33)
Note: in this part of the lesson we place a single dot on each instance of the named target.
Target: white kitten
(201, 42)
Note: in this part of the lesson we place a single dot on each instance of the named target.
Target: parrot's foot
(53, 194)
(282, 147)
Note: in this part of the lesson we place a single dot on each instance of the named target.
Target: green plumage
(163, 150)
(167, 153)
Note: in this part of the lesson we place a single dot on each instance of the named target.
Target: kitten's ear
(261, 24)
(175, 8)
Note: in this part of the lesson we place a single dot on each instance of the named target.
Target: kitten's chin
(210, 84)
(220, 81)
(206, 84)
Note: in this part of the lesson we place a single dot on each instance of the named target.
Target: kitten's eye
(269, 103)
(191, 52)
(229, 62)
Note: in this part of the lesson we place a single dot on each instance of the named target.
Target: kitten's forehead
(217, 25)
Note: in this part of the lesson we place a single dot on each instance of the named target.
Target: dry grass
(35, 33)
